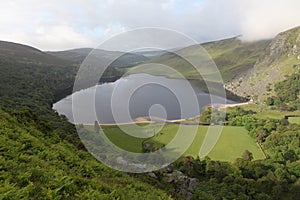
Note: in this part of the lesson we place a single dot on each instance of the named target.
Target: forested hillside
(41, 154)
(287, 93)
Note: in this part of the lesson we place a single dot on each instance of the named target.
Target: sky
(66, 24)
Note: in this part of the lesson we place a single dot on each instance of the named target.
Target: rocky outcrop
(279, 59)
(183, 185)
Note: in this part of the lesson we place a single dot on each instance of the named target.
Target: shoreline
(134, 122)
(147, 119)
(222, 106)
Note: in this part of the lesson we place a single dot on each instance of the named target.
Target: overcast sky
(66, 24)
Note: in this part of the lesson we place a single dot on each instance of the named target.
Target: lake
(136, 96)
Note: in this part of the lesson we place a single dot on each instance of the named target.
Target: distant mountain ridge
(232, 57)
(27, 54)
(249, 69)
(123, 60)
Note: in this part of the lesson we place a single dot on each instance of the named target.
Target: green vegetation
(263, 111)
(295, 120)
(231, 145)
(36, 163)
(276, 177)
(231, 56)
(41, 156)
(287, 93)
(278, 60)
(121, 59)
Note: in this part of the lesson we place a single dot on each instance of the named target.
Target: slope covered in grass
(41, 156)
(232, 57)
(36, 163)
(231, 145)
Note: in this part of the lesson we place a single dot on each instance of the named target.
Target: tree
(188, 164)
(206, 116)
(247, 155)
(261, 136)
(290, 155)
(270, 101)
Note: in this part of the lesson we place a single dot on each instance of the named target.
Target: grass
(265, 112)
(231, 144)
(294, 120)
(231, 57)
(234, 141)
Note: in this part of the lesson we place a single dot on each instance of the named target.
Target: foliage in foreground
(41, 156)
(36, 163)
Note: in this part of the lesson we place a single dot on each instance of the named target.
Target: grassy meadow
(264, 112)
(294, 120)
(231, 144)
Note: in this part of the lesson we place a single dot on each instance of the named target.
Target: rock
(183, 184)
(167, 169)
(193, 184)
(151, 174)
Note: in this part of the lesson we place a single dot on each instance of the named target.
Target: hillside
(122, 59)
(41, 156)
(232, 57)
(248, 69)
(36, 163)
(281, 58)
(10, 51)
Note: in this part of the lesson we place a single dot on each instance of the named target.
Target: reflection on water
(136, 96)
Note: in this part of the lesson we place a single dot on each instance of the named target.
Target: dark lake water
(136, 96)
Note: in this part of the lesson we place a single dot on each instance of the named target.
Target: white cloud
(57, 25)
(113, 29)
(265, 19)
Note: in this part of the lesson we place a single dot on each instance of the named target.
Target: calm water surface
(136, 96)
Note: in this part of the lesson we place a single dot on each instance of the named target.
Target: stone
(151, 174)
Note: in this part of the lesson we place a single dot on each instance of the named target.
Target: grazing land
(265, 112)
(231, 144)
(294, 120)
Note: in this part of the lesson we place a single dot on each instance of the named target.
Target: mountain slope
(281, 58)
(232, 57)
(123, 59)
(41, 156)
(10, 51)
(36, 164)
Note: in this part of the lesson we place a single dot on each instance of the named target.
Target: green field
(295, 120)
(265, 112)
(231, 144)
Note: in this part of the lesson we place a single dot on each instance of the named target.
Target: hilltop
(15, 52)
